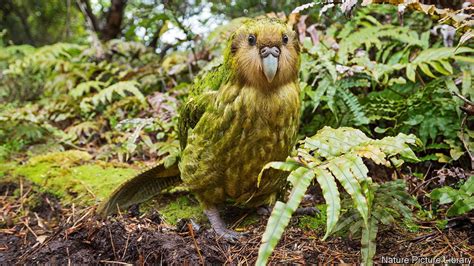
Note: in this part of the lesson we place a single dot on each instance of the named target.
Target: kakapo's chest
(242, 131)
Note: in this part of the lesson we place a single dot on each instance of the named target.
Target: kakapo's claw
(310, 211)
(264, 210)
(219, 227)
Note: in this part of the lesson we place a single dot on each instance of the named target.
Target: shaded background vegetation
(114, 72)
(106, 78)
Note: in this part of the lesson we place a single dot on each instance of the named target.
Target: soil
(47, 232)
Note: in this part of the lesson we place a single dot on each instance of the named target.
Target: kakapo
(237, 118)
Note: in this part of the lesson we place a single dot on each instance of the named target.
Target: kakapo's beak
(270, 57)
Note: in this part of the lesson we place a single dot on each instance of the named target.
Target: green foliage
(181, 208)
(382, 77)
(71, 176)
(336, 155)
(388, 203)
(462, 199)
(62, 94)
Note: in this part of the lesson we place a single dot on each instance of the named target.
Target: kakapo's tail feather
(140, 188)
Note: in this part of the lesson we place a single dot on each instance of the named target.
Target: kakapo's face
(265, 53)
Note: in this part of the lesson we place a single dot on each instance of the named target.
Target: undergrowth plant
(462, 199)
(336, 156)
(384, 73)
(62, 94)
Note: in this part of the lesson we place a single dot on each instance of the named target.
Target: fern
(85, 88)
(354, 106)
(437, 59)
(330, 155)
(106, 95)
(389, 203)
(372, 35)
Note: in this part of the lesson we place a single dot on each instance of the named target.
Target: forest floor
(40, 226)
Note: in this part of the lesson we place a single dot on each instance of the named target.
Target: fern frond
(354, 106)
(371, 36)
(330, 155)
(106, 95)
(436, 58)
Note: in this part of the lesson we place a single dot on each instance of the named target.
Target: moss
(250, 220)
(83, 184)
(74, 178)
(99, 180)
(65, 158)
(6, 167)
(317, 223)
(181, 208)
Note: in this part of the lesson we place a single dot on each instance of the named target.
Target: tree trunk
(112, 27)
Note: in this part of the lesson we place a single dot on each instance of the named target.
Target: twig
(116, 262)
(466, 100)
(21, 193)
(27, 226)
(68, 257)
(112, 242)
(239, 220)
(191, 232)
(463, 123)
(82, 218)
(126, 246)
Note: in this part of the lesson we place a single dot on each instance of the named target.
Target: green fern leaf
(369, 233)
(331, 196)
(85, 88)
(282, 212)
(354, 106)
(343, 169)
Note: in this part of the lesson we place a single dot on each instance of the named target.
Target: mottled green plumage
(236, 120)
(233, 132)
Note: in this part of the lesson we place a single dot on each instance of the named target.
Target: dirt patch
(147, 241)
(36, 228)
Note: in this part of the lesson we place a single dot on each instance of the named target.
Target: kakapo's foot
(267, 210)
(219, 226)
(309, 211)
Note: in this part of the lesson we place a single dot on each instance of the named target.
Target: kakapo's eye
(285, 39)
(252, 39)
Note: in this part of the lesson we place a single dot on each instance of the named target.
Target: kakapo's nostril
(265, 51)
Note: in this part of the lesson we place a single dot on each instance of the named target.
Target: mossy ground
(73, 177)
(183, 207)
(316, 223)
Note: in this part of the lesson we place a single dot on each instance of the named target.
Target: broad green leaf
(446, 65)
(383, 216)
(467, 88)
(468, 186)
(283, 166)
(331, 196)
(426, 69)
(445, 195)
(329, 142)
(282, 212)
(435, 54)
(411, 72)
(341, 169)
(439, 67)
(461, 206)
(369, 234)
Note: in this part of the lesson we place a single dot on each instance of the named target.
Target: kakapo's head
(264, 53)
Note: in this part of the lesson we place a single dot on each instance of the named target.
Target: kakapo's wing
(140, 188)
(201, 96)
